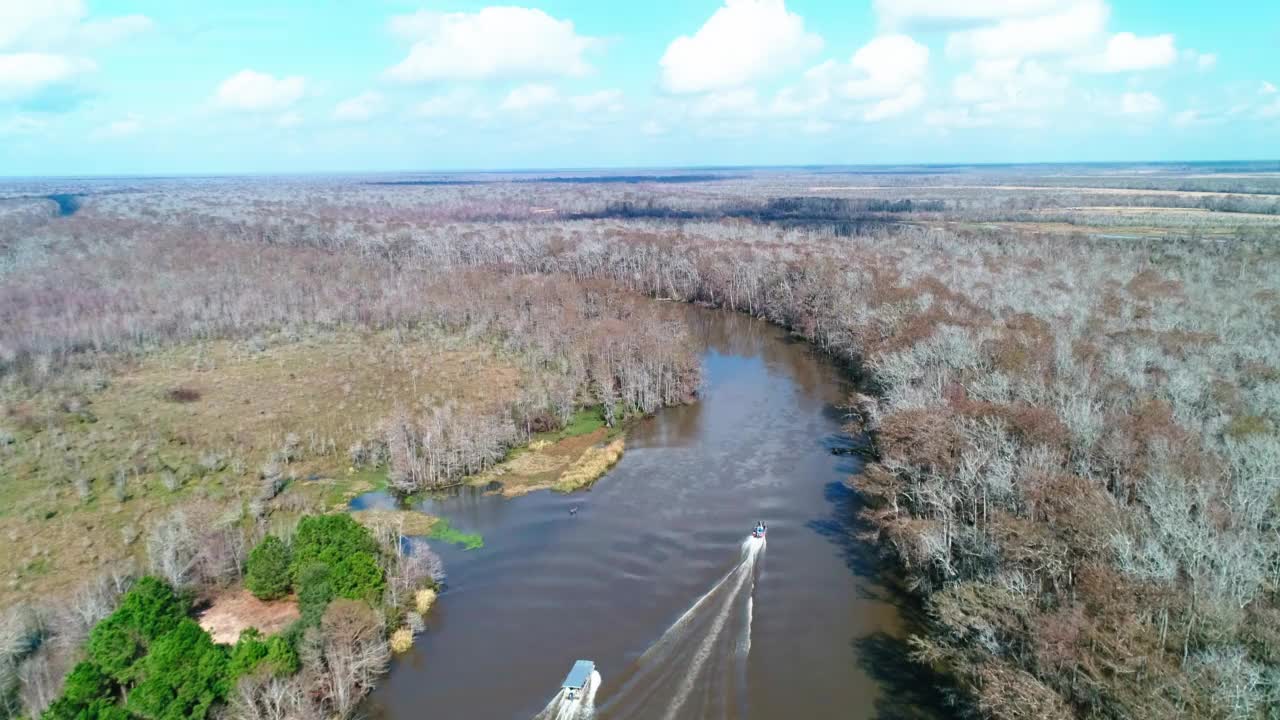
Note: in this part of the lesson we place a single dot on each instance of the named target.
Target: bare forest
(1071, 381)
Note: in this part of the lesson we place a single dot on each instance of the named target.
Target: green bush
(282, 656)
(268, 575)
(184, 675)
(314, 592)
(88, 694)
(149, 610)
(249, 652)
(349, 551)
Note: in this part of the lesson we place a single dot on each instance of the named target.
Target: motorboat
(575, 683)
(759, 530)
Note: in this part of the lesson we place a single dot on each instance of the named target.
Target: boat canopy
(579, 675)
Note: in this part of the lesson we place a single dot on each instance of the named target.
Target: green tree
(347, 548)
(184, 675)
(268, 576)
(282, 656)
(249, 652)
(88, 694)
(252, 651)
(149, 610)
(314, 592)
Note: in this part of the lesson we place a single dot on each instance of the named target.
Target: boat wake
(697, 669)
(580, 707)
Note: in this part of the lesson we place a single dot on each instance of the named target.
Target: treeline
(1079, 461)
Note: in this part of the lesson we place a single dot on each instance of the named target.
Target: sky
(108, 87)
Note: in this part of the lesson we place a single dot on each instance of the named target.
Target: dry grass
(591, 466)
(401, 640)
(554, 464)
(239, 610)
(424, 599)
(409, 522)
(90, 469)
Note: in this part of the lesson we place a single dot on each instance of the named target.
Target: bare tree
(172, 549)
(345, 655)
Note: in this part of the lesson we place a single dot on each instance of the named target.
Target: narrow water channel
(652, 579)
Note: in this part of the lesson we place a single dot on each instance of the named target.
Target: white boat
(575, 683)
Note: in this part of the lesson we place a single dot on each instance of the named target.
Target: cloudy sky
(105, 87)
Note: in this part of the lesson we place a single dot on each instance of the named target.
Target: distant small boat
(759, 530)
(575, 683)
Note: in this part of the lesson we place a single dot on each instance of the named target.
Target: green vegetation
(119, 643)
(184, 675)
(445, 532)
(267, 575)
(346, 548)
(149, 652)
(586, 420)
(252, 652)
(150, 660)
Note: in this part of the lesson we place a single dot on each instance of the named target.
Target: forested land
(1076, 457)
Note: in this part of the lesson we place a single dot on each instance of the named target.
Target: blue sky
(112, 87)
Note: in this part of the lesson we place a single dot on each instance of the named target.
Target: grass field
(90, 464)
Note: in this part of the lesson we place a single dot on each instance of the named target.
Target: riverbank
(566, 460)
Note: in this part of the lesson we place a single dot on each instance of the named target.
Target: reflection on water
(625, 581)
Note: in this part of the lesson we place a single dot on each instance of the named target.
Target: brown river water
(654, 577)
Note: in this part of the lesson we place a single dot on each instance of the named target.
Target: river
(653, 577)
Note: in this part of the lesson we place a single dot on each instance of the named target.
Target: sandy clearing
(239, 610)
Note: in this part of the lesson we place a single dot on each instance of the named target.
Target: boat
(759, 530)
(575, 683)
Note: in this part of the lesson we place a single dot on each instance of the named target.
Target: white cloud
(44, 46)
(496, 42)
(910, 99)
(935, 14)
(529, 97)
(1008, 91)
(805, 99)
(1196, 118)
(1127, 52)
(887, 66)
(743, 41)
(361, 107)
(956, 117)
(603, 101)
(737, 102)
(890, 70)
(249, 90)
(450, 104)
(1203, 61)
(125, 127)
(289, 120)
(24, 74)
(1067, 30)
(817, 126)
(24, 124)
(653, 129)
(1140, 103)
(1267, 88)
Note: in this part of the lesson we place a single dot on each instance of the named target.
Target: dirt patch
(239, 610)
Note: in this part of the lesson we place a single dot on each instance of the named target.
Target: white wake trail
(698, 666)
